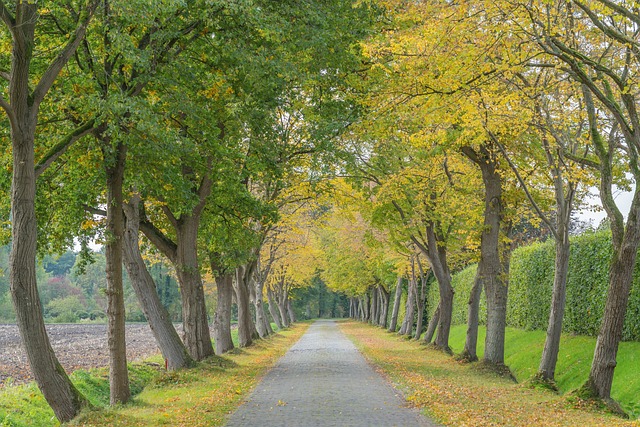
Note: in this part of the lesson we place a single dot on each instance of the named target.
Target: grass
(202, 396)
(523, 350)
(460, 394)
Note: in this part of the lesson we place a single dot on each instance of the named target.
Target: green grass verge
(24, 406)
(523, 350)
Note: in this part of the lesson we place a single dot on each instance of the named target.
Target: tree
(598, 50)
(22, 109)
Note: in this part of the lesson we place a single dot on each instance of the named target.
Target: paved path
(324, 381)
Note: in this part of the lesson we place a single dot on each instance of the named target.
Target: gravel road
(323, 380)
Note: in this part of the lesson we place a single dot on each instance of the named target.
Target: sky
(622, 198)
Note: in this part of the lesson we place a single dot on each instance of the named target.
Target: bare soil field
(78, 346)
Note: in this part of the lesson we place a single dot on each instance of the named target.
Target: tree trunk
(272, 310)
(547, 368)
(118, 374)
(222, 320)
(22, 110)
(246, 328)
(197, 337)
(282, 308)
(433, 324)
(169, 342)
(470, 352)
(396, 305)
(495, 267)
(436, 252)
(610, 335)
(384, 306)
(262, 322)
(65, 400)
(373, 319)
(407, 323)
(292, 314)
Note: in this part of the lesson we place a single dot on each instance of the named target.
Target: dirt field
(77, 346)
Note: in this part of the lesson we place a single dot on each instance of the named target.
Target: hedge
(531, 284)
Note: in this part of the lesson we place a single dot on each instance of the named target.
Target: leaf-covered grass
(523, 350)
(202, 396)
(460, 394)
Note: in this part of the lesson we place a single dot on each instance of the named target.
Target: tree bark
(433, 324)
(118, 373)
(373, 319)
(246, 327)
(396, 305)
(222, 321)
(407, 322)
(495, 265)
(169, 342)
(272, 309)
(22, 111)
(470, 352)
(547, 367)
(65, 400)
(292, 314)
(281, 301)
(197, 337)
(620, 281)
(384, 306)
(262, 322)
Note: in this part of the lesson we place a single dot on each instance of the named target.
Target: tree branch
(49, 76)
(158, 238)
(6, 17)
(61, 147)
(10, 113)
(95, 211)
(523, 184)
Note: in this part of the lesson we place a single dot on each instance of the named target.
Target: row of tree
(484, 117)
(194, 123)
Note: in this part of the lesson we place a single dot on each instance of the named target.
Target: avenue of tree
(263, 147)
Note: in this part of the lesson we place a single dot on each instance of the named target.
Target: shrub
(531, 286)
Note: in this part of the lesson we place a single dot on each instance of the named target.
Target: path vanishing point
(323, 380)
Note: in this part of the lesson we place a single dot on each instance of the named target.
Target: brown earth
(78, 346)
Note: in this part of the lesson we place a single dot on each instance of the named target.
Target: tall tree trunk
(407, 323)
(384, 306)
(436, 252)
(272, 309)
(197, 337)
(422, 301)
(22, 112)
(620, 280)
(60, 393)
(433, 324)
(495, 264)
(281, 301)
(167, 338)
(118, 373)
(373, 319)
(292, 314)
(246, 328)
(222, 320)
(470, 352)
(396, 305)
(547, 368)
(262, 322)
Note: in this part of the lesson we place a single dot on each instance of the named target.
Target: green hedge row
(531, 283)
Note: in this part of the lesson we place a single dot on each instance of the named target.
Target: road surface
(323, 380)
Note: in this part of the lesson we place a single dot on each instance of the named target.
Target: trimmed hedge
(531, 284)
(462, 282)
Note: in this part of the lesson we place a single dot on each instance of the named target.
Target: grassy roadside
(457, 394)
(524, 349)
(202, 396)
